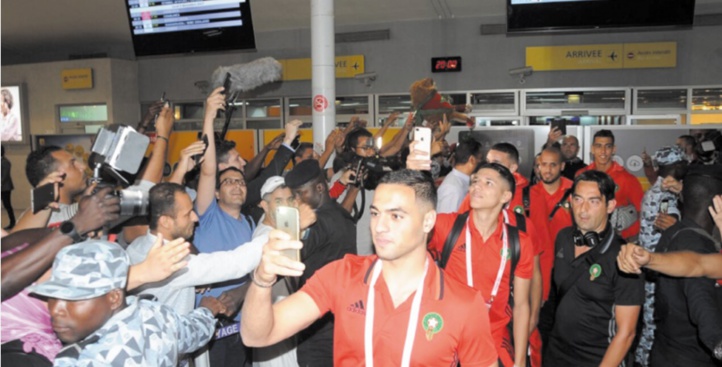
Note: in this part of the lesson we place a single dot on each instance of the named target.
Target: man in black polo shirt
(330, 238)
(592, 312)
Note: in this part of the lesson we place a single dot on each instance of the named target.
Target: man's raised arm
(207, 180)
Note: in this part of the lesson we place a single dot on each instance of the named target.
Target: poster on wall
(11, 114)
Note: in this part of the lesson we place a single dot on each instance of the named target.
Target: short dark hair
(554, 150)
(466, 149)
(302, 149)
(354, 136)
(604, 134)
(222, 149)
(161, 201)
(7, 97)
(604, 182)
(689, 139)
(701, 184)
(422, 184)
(223, 171)
(508, 149)
(40, 163)
(504, 172)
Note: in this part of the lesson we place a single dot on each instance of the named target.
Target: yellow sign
(300, 69)
(650, 55)
(77, 78)
(609, 56)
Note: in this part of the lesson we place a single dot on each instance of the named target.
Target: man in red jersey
(396, 308)
(476, 259)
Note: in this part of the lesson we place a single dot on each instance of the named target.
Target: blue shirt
(218, 231)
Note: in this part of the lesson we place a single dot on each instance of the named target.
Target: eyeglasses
(233, 182)
(365, 147)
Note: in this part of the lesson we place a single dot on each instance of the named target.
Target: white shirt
(452, 191)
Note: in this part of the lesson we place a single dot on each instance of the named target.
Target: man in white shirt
(456, 184)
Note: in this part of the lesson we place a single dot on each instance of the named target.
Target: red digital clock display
(445, 64)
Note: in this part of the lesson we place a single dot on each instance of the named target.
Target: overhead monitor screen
(187, 26)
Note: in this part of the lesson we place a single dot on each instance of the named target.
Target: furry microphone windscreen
(245, 77)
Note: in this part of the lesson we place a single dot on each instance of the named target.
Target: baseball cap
(303, 173)
(271, 185)
(86, 270)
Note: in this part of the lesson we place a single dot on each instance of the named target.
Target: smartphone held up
(287, 220)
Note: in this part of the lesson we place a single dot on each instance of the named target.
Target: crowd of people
(459, 257)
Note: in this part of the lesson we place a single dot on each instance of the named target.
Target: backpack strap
(451, 239)
(525, 200)
(515, 248)
(560, 203)
(520, 222)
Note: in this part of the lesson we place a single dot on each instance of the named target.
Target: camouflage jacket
(145, 333)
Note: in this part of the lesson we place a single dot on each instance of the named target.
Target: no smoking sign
(320, 103)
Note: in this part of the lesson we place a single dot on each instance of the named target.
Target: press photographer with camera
(368, 166)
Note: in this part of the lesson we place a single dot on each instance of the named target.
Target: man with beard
(572, 163)
(171, 217)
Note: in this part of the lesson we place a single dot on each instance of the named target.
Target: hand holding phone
(422, 138)
(42, 196)
(197, 157)
(287, 221)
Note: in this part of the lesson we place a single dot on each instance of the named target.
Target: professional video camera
(367, 171)
(117, 154)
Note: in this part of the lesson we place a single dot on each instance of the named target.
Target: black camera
(367, 171)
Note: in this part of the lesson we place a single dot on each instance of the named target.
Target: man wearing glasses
(222, 227)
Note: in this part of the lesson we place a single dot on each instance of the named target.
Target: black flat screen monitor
(190, 26)
(590, 15)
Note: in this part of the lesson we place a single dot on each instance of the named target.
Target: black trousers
(8, 207)
(229, 351)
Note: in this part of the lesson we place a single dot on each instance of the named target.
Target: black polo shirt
(687, 312)
(584, 322)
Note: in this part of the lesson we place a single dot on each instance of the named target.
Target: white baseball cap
(272, 184)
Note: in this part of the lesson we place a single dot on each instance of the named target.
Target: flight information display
(183, 15)
(187, 26)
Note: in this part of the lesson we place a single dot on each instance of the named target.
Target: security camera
(362, 76)
(366, 77)
(522, 73)
(525, 71)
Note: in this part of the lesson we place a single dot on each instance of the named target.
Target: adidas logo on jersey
(357, 307)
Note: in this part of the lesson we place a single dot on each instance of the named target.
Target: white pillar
(323, 85)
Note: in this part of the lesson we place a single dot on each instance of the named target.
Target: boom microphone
(245, 77)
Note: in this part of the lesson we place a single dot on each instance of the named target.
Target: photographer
(369, 166)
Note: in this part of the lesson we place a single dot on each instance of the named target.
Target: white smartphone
(287, 221)
(422, 137)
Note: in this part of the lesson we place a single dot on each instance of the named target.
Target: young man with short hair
(393, 308)
(478, 259)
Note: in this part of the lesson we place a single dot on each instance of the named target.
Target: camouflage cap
(668, 155)
(86, 270)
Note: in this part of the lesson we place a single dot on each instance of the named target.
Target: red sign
(320, 103)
